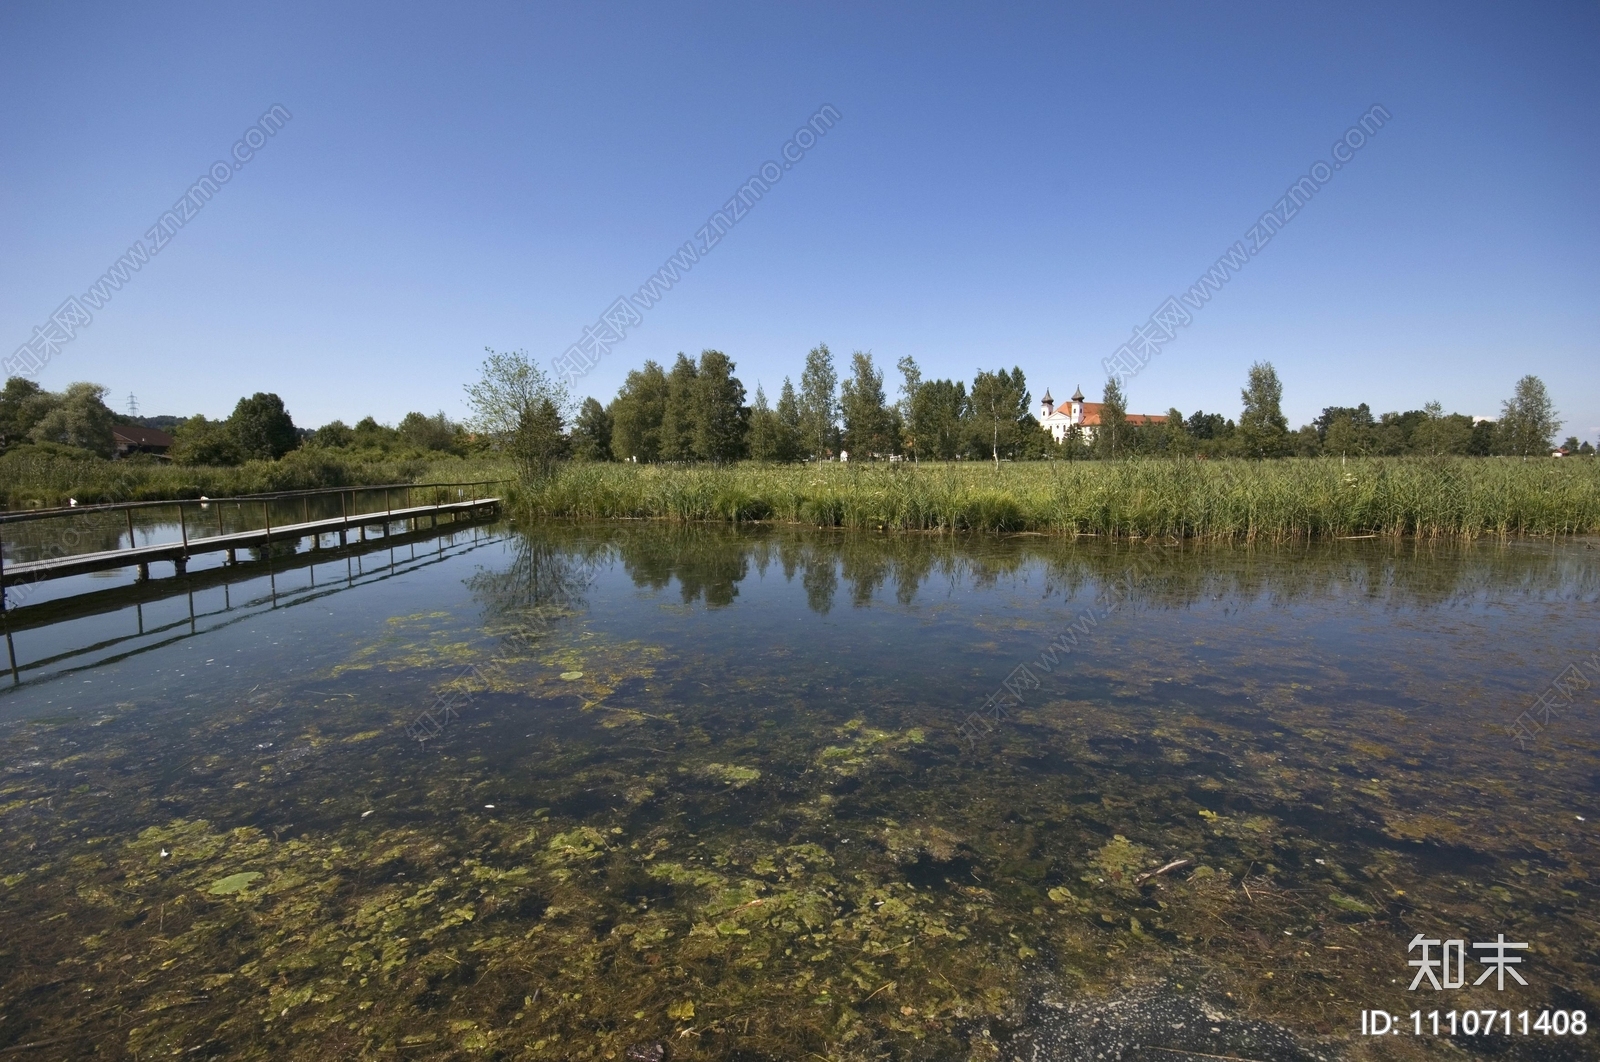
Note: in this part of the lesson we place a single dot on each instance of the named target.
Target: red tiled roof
(1091, 415)
(137, 436)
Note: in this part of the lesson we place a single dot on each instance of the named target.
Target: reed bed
(1275, 500)
(33, 478)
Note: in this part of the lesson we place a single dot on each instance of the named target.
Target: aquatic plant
(1234, 499)
(780, 857)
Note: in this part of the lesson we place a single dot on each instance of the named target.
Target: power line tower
(133, 405)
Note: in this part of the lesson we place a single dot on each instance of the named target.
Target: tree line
(259, 428)
(696, 411)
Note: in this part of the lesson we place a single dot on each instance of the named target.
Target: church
(1086, 415)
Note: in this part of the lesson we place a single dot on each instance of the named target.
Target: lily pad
(233, 883)
(572, 676)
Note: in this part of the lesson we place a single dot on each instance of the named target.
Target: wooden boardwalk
(178, 553)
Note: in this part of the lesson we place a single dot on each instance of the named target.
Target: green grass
(33, 477)
(1231, 499)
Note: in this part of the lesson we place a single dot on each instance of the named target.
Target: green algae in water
(730, 774)
(233, 883)
(787, 851)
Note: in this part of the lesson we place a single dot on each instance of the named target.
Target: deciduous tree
(941, 418)
(678, 415)
(720, 419)
(77, 417)
(262, 427)
(791, 424)
(22, 404)
(198, 441)
(1263, 428)
(591, 432)
(868, 427)
(910, 383)
(819, 404)
(1528, 420)
(1111, 436)
(523, 410)
(636, 414)
(1000, 419)
(428, 433)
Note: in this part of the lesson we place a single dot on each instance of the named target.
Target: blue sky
(1017, 185)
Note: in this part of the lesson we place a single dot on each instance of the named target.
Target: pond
(637, 791)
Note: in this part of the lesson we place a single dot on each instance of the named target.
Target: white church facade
(1085, 416)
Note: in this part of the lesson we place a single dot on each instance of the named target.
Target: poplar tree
(1111, 436)
(1263, 428)
(868, 427)
(999, 421)
(1528, 420)
(1176, 436)
(791, 424)
(678, 416)
(911, 382)
(819, 406)
(636, 414)
(763, 437)
(720, 418)
(591, 433)
(941, 416)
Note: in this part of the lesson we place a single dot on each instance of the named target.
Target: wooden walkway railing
(210, 531)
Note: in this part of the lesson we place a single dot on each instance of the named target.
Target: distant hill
(165, 424)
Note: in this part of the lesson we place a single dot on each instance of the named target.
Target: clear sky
(1006, 185)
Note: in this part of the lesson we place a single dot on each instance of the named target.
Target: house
(131, 439)
(1086, 415)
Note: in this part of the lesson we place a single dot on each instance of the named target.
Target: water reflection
(704, 787)
(708, 565)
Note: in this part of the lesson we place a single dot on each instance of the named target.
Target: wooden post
(130, 527)
(344, 516)
(180, 563)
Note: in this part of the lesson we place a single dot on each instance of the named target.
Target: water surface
(553, 794)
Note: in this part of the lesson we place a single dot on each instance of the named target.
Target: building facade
(1085, 416)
